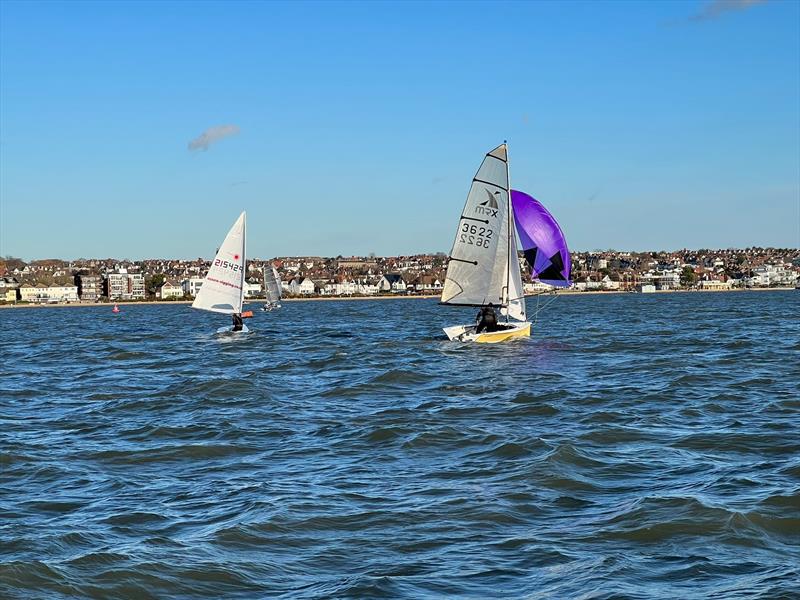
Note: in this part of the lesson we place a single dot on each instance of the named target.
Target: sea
(635, 446)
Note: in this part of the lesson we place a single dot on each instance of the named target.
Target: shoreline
(393, 297)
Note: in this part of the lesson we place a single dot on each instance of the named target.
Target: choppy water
(635, 447)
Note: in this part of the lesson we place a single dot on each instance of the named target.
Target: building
(125, 286)
(169, 289)
(356, 263)
(192, 285)
(62, 293)
(307, 287)
(252, 289)
(713, 284)
(537, 287)
(392, 282)
(90, 286)
(8, 283)
(33, 292)
(428, 284)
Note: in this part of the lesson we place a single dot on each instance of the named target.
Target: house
(366, 287)
(292, 285)
(712, 284)
(169, 289)
(538, 287)
(252, 289)
(8, 283)
(62, 293)
(392, 282)
(307, 287)
(191, 286)
(33, 293)
(609, 284)
(428, 284)
(11, 295)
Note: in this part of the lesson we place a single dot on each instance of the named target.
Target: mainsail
(478, 267)
(223, 288)
(271, 286)
(542, 241)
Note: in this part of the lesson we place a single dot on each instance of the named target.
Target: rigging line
(545, 305)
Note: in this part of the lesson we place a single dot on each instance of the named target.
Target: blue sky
(653, 125)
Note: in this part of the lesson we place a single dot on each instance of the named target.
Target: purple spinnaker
(542, 240)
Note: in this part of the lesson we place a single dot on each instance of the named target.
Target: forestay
(223, 288)
(477, 271)
(271, 285)
(542, 240)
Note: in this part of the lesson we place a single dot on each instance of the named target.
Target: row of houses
(306, 286)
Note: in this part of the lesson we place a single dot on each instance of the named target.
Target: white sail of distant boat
(222, 290)
(272, 288)
(483, 266)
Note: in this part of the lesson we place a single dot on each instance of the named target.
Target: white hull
(466, 333)
(229, 329)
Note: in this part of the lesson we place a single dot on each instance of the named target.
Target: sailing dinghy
(222, 290)
(272, 288)
(483, 266)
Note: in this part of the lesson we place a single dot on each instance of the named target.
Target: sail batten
(223, 287)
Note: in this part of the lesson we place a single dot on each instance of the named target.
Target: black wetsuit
(237, 322)
(487, 320)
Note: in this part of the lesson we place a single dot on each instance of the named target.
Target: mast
(510, 237)
(244, 261)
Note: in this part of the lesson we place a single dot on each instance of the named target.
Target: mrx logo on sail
(488, 207)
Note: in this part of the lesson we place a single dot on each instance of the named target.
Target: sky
(141, 130)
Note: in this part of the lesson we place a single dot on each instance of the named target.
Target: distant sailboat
(483, 267)
(222, 290)
(272, 288)
(115, 309)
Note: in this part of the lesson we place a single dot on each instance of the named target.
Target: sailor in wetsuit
(487, 319)
(237, 322)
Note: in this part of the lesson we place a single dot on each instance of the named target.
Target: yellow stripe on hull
(501, 336)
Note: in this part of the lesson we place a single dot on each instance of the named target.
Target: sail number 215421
(475, 235)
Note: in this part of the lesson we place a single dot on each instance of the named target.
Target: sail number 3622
(475, 236)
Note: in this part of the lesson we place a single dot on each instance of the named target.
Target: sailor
(237, 322)
(487, 319)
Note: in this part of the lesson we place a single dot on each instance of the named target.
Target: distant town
(53, 281)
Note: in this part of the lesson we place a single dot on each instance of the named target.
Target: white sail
(515, 298)
(515, 294)
(477, 271)
(223, 288)
(271, 286)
